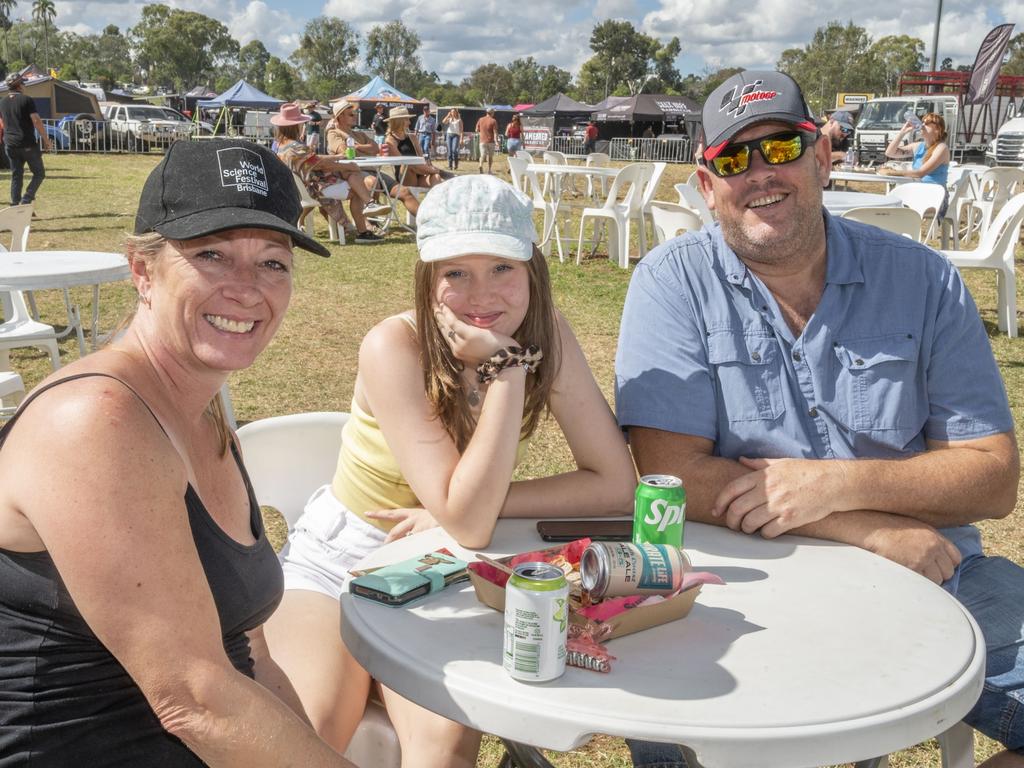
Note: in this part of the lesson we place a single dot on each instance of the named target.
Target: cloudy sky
(459, 35)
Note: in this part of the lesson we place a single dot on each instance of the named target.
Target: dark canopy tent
(560, 106)
(650, 107)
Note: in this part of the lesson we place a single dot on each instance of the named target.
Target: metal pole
(935, 38)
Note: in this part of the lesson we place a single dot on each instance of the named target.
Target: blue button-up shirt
(894, 354)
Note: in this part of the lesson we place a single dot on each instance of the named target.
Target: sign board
(537, 133)
(852, 99)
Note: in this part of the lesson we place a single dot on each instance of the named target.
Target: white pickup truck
(140, 126)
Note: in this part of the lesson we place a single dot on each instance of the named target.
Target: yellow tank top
(368, 476)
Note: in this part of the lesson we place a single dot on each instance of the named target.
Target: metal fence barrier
(664, 150)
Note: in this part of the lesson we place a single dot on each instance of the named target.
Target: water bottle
(851, 158)
(350, 148)
(911, 118)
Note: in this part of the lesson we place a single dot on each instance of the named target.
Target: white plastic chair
(692, 198)
(996, 251)
(12, 390)
(18, 221)
(650, 190)
(310, 205)
(902, 221)
(287, 458)
(958, 188)
(551, 157)
(923, 197)
(550, 229)
(19, 330)
(629, 184)
(671, 220)
(993, 188)
(597, 160)
(517, 170)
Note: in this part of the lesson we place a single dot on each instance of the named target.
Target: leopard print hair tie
(509, 357)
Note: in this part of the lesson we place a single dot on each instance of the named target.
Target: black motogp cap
(204, 187)
(752, 97)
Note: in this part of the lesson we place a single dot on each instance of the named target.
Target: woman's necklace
(473, 396)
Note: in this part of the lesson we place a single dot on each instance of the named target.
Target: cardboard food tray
(626, 623)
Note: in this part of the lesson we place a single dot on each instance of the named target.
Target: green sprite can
(659, 511)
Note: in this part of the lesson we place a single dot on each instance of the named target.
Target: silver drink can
(618, 568)
(536, 622)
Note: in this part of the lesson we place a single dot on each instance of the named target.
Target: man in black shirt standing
(379, 124)
(21, 122)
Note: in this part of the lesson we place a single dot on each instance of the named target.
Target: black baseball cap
(752, 97)
(204, 187)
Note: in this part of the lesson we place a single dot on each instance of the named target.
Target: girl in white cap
(446, 400)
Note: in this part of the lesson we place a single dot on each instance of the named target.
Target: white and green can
(536, 622)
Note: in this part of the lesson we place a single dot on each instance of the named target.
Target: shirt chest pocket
(747, 370)
(878, 384)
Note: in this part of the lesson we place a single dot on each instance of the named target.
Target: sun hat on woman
(289, 114)
(475, 214)
(399, 113)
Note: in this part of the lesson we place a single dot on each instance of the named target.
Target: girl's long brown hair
(441, 369)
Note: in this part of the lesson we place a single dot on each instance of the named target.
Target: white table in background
(379, 164)
(42, 270)
(872, 177)
(814, 653)
(838, 202)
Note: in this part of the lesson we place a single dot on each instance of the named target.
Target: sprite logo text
(663, 514)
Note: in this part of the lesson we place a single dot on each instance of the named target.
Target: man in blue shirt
(426, 127)
(810, 374)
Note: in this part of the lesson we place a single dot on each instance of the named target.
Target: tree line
(177, 50)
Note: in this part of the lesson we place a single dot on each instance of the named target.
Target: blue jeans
(512, 146)
(453, 149)
(992, 589)
(425, 144)
(18, 156)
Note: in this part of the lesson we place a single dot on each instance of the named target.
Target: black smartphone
(598, 530)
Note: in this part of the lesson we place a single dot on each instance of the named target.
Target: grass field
(88, 202)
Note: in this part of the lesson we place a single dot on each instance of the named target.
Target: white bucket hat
(475, 214)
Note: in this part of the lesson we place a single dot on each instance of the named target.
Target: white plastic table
(814, 653)
(555, 190)
(41, 270)
(870, 176)
(379, 164)
(837, 202)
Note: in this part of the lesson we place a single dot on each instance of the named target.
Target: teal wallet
(401, 583)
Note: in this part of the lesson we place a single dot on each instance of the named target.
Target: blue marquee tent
(379, 89)
(241, 94)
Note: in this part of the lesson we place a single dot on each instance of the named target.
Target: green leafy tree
(1013, 64)
(533, 82)
(181, 48)
(625, 62)
(391, 53)
(103, 58)
(44, 12)
(253, 58)
(6, 22)
(838, 58)
(489, 84)
(280, 78)
(892, 56)
(327, 52)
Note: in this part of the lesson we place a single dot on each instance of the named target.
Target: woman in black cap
(135, 575)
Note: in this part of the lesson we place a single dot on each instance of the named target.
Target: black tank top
(64, 699)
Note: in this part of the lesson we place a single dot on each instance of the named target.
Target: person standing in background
(313, 126)
(426, 125)
(21, 122)
(379, 124)
(487, 128)
(453, 136)
(514, 134)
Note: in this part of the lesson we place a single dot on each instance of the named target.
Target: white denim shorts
(325, 544)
